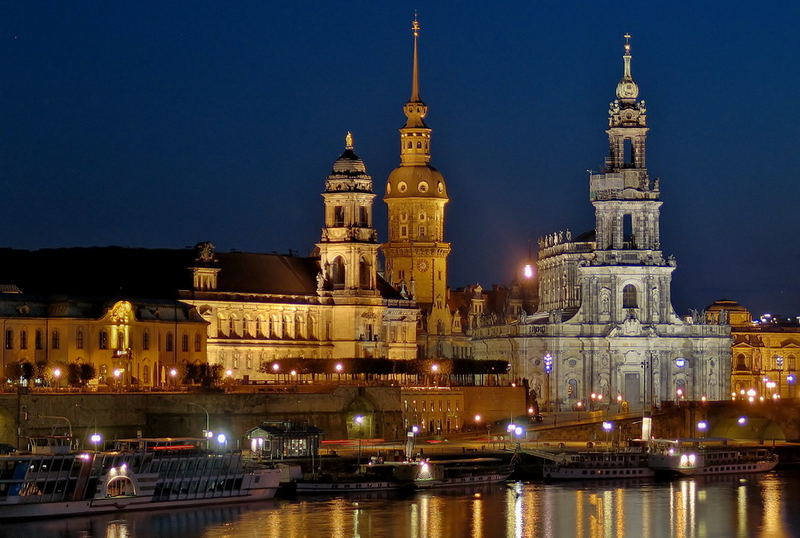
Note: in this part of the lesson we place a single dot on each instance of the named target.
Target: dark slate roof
(267, 273)
(145, 273)
(585, 237)
(20, 305)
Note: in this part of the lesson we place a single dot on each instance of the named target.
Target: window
(337, 273)
(629, 299)
(102, 340)
(403, 231)
(79, 339)
(23, 339)
(741, 363)
(145, 374)
(364, 277)
(146, 340)
(185, 343)
(55, 339)
(37, 339)
(338, 215)
(363, 216)
(627, 230)
(120, 340)
(170, 344)
(197, 343)
(422, 231)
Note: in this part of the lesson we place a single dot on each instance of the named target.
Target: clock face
(422, 265)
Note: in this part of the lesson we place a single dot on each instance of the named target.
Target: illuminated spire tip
(348, 140)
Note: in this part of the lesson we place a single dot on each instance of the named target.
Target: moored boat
(138, 474)
(692, 457)
(619, 463)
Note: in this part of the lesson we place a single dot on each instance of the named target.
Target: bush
(74, 374)
(88, 372)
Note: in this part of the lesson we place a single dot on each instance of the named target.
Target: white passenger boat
(619, 463)
(691, 457)
(139, 474)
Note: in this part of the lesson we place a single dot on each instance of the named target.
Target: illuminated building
(127, 342)
(416, 251)
(605, 317)
(763, 352)
(264, 307)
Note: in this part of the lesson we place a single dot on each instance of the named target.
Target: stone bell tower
(416, 252)
(349, 244)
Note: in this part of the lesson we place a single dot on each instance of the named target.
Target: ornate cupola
(349, 242)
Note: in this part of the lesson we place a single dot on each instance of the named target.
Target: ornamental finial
(348, 140)
(415, 69)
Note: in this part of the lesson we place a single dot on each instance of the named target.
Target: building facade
(764, 354)
(605, 325)
(127, 342)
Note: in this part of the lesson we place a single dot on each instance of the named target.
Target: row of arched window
(289, 326)
(103, 340)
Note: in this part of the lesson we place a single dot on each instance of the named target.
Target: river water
(726, 506)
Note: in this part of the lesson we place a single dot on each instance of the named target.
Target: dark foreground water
(726, 506)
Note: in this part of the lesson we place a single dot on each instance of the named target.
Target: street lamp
(207, 431)
(702, 426)
(359, 420)
(741, 420)
(607, 427)
(95, 439)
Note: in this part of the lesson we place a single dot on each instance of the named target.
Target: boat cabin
(277, 440)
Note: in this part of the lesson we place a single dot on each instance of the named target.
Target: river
(725, 506)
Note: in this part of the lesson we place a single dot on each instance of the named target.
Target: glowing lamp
(275, 366)
(339, 367)
(742, 421)
(528, 271)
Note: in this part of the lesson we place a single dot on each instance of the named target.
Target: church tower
(416, 252)
(349, 245)
(627, 209)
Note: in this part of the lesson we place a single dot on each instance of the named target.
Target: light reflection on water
(725, 506)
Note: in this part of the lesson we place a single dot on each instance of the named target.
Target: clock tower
(416, 195)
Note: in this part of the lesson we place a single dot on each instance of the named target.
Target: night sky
(162, 124)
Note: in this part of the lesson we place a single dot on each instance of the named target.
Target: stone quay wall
(120, 415)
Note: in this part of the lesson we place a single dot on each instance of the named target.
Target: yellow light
(57, 372)
(477, 418)
(528, 271)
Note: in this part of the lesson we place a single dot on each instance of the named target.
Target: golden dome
(416, 182)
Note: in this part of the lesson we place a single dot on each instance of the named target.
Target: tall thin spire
(415, 69)
(627, 57)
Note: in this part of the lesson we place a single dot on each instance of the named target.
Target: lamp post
(208, 421)
(607, 427)
(95, 439)
(702, 426)
(359, 420)
(779, 364)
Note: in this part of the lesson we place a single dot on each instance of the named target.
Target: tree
(27, 371)
(88, 372)
(74, 374)
(13, 371)
(191, 373)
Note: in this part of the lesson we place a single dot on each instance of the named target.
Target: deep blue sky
(168, 123)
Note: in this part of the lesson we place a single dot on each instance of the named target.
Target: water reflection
(690, 508)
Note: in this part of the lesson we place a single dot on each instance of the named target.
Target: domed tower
(416, 253)
(349, 244)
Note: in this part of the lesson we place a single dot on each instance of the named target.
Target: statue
(403, 289)
(723, 317)
(320, 281)
(205, 252)
(605, 301)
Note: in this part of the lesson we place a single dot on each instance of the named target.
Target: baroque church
(605, 329)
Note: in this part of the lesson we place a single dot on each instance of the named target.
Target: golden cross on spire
(415, 25)
(348, 141)
(627, 43)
